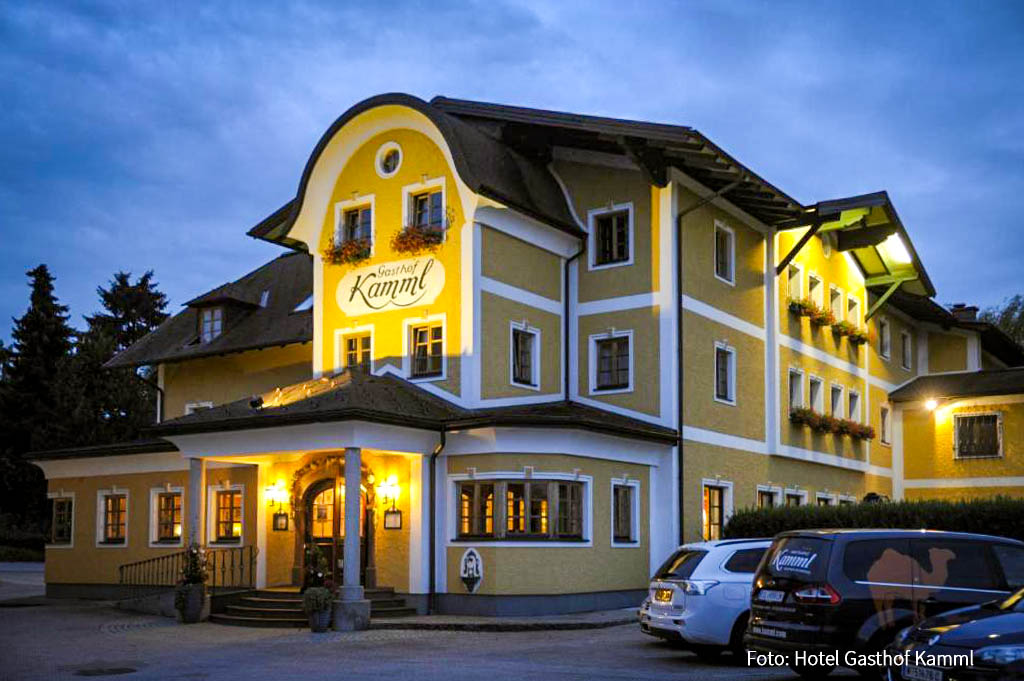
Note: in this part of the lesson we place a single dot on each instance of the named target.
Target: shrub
(317, 599)
(997, 516)
(194, 569)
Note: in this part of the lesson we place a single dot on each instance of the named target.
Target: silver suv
(700, 596)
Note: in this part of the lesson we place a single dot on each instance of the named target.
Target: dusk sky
(140, 135)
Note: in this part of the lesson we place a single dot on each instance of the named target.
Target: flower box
(416, 239)
(347, 252)
(802, 307)
(822, 318)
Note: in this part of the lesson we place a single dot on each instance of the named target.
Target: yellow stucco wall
(946, 352)
(555, 570)
(928, 442)
(646, 367)
(498, 313)
(891, 369)
(520, 264)
(233, 377)
(962, 493)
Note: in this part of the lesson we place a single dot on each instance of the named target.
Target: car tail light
(819, 594)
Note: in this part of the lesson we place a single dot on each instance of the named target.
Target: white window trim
(789, 390)
(211, 513)
(731, 280)
(846, 497)
(883, 322)
(534, 360)
(842, 400)
(385, 148)
(410, 190)
(358, 202)
(407, 325)
(794, 492)
(832, 288)
(634, 531)
(776, 492)
(821, 287)
(801, 284)
(859, 417)
(588, 508)
(719, 345)
(956, 435)
(193, 407)
(339, 344)
(821, 393)
(727, 501)
(592, 216)
(61, 494)
(832, 497)
(884, 437)
(856, 318)
(100, 495)
(154, 516)
(906, 338)
(592, 361)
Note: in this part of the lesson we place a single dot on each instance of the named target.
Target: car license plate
(771, 596)
(912, 671)
(663, 595)
(768, 631)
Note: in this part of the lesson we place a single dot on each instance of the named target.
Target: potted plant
(318, 602)
(802, 307)
(348, 252)
(843, 328)
(858, 337)
(418, 238)
(822, 318)
(190, 592)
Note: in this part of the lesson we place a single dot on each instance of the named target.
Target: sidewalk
(21, 580)
(584, 620)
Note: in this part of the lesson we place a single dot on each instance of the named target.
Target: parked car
(854, 590)
(992, 634)
(700, 597)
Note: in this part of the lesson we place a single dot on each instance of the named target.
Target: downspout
(679, 360)
(160, 398)
(566, 320)
(433, 521)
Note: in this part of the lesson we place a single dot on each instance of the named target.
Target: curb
(499, 626)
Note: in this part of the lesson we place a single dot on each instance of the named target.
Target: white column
(262, 480)
(196, 500)
(898, 479)
(352, 591)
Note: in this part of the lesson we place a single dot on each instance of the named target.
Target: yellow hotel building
(547, 348)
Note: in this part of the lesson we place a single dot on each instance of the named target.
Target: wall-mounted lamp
(278, 494)
(388, 491)
(931, 404)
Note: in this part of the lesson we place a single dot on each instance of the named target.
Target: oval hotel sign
(404, 283)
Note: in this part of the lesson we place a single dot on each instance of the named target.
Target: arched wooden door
(325, 530)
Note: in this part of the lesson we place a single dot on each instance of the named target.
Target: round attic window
(389, 159)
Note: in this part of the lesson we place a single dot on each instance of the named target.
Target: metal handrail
(227, 568)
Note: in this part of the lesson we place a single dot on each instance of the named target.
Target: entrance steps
(283, 608)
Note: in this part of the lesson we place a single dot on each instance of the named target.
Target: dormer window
(211, 323)
(265, 297)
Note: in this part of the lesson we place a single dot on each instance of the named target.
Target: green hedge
(1000, 516)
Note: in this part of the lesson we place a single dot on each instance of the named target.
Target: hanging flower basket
(416, 239)
(348, 252)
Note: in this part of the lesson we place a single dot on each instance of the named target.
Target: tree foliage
(1009, 317)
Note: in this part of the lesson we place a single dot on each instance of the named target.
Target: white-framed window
(795, 497)
(817, 394)
(424, 351)
(796, 389)
(725, 373)
(716, 507)
(424, 205)
(388, 160)
(816, 290)
(225, 514)
(906, 350)
(211, 323)
(854, 412)
(60, 534)
(524, 355)
(836, 401)
(354, 219)
(835, 302)
(795, 281)
(521, 508)
(357, 350)
(611, 362)
(847, 500)
(112, 517)
(885, 425)
(853, 310)
(978, 435)
(884, 338)
(166, 516)
(610, 238)
(625, 520)
(768, 496)
(825, 499)
(193, 407)
(725, 253)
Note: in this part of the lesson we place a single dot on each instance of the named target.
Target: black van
(853, 590)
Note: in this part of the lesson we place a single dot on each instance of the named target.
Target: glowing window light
(897, 250)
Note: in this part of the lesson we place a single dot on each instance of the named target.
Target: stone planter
(320, 620)
(190, 600)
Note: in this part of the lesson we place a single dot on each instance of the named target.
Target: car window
(951, 563)
(680, 564)
(884, 561)
(799, 558)
(1011, 560)
(744, 560)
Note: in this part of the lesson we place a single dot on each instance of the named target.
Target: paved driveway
(55, 641)
(19, 580)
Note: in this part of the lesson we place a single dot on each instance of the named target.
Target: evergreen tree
(132, 310)
(1009, 317)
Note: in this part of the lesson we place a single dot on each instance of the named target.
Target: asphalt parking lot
(61, 640)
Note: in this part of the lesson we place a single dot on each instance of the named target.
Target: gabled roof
(289, 279)
(359, 396)
(966, 384)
